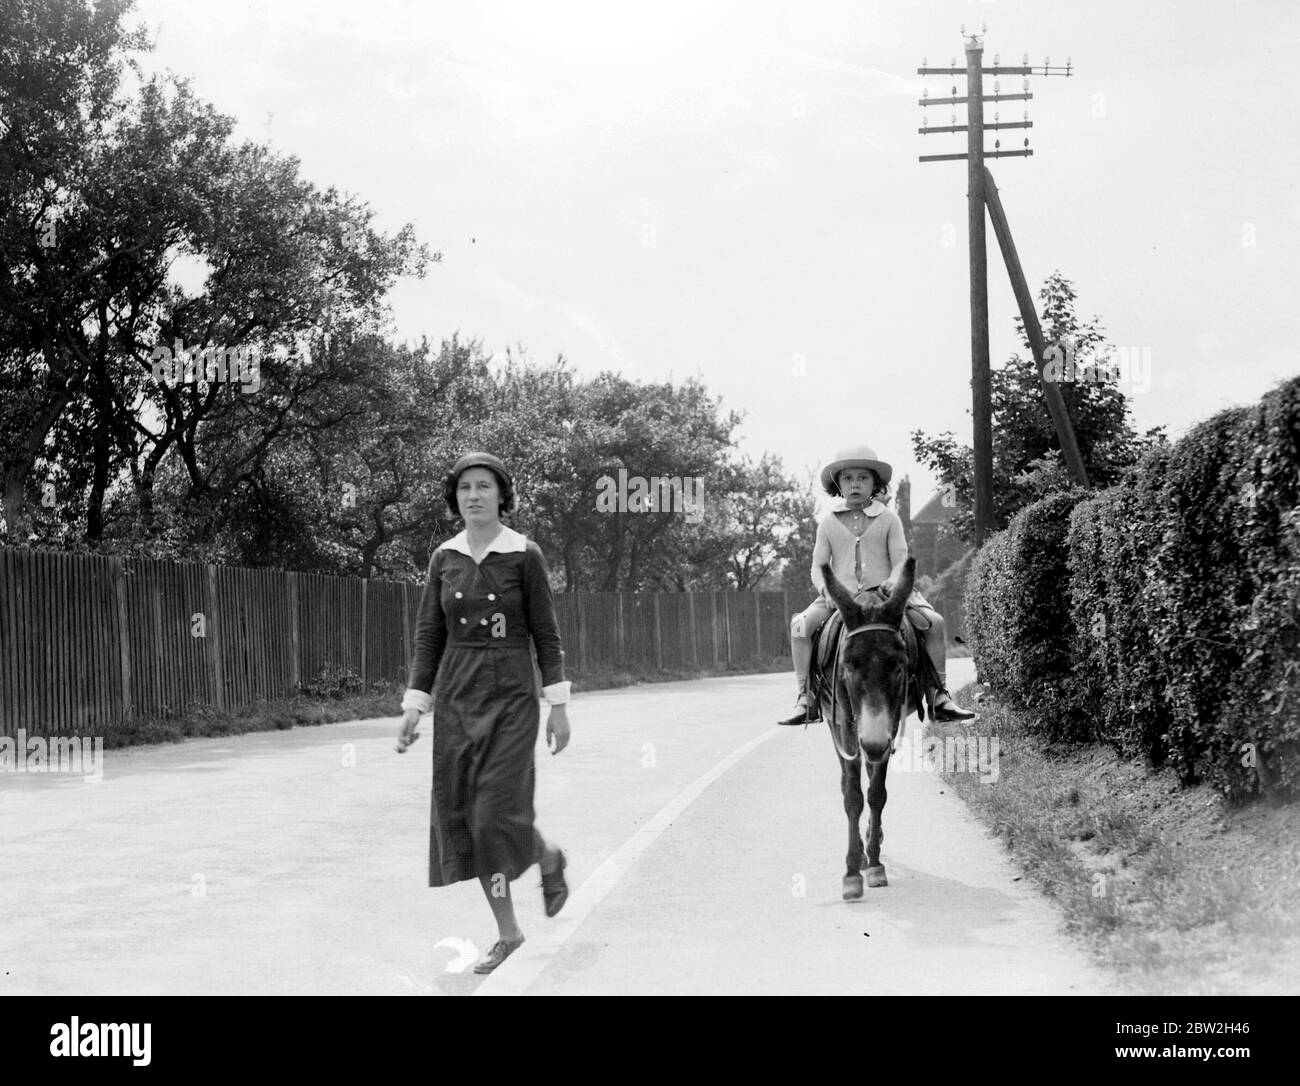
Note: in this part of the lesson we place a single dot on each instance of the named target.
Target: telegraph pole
(976, 197)
(980, 381)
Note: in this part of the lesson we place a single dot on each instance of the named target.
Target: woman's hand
(557, 728)
(408, 734)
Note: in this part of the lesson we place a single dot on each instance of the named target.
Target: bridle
(872, 626)
(865, 628)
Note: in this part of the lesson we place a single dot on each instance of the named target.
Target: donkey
(867, 678)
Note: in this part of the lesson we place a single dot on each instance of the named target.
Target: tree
(584, 445)
(628, 485)
(60, 62)
(744, 534)
(1026, 457)
(796, 567)
(108, 190)
(255, 414)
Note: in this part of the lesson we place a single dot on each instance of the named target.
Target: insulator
(995, 60)
(1025, 62)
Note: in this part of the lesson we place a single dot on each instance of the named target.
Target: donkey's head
(873, 660)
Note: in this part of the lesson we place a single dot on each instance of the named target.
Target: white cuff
(557, 693)
(417, 699)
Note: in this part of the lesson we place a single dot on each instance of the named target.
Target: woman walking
(486, 597)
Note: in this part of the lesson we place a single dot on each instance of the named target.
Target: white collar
(839, 505)
(508, 541)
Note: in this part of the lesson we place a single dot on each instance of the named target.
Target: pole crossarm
(965, 99)
(1041, 69)
(985, 71)
(987, 154)
(963, 128)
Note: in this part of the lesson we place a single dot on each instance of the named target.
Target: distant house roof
(934, 512)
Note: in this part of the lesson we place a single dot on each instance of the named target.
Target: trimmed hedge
(1120, 675)
(1232, 566)
(1182, 591)
(987, 606)
(1018, 613)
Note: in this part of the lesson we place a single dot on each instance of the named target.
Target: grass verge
(1174, 891)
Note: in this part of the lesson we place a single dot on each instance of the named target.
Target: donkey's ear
(897, 601)
(839, 595)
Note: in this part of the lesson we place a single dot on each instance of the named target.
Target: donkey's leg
(876, 796)
(851, 787)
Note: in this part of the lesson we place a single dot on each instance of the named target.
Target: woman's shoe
(500, 951)
(555, 891)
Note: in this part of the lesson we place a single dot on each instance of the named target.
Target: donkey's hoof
(876, 876)
(852, 887)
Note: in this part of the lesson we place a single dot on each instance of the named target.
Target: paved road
(706, 848)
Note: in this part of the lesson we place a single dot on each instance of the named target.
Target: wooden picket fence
(87, 642)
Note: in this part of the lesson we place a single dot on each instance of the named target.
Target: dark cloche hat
(482, 460)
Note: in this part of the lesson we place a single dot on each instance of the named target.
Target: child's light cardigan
(860, 563)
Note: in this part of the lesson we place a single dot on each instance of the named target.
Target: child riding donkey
(863, 542)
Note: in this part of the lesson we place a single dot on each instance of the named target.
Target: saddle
(823, 668)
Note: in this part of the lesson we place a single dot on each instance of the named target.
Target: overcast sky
(732, 191)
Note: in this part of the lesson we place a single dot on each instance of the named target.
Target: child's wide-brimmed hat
(859, 456)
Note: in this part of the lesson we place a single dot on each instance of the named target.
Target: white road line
(527, 963)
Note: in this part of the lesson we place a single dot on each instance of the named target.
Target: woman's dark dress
(472, 636)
